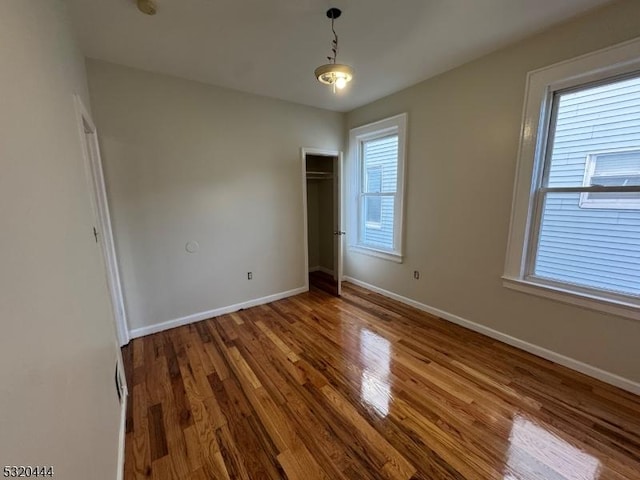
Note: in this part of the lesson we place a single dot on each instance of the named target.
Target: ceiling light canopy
(147, 7)
(334, 74)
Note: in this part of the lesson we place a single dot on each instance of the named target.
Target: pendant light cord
(334, 44)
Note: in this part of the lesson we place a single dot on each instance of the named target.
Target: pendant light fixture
(332, 73)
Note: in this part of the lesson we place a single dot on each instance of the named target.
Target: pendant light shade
(334, 74)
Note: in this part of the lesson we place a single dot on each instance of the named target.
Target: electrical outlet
(416, 274)
(249, 275)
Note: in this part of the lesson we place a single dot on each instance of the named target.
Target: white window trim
(590, 167)
(541, 84)
(389, 126)
(373, 252)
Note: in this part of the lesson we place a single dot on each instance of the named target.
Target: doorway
(102, 221)
(322, 186)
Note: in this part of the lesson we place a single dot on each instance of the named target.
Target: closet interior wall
(320, 213)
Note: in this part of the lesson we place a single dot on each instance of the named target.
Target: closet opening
(323, 226)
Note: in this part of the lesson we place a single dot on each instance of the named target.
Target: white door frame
(93, 163)
(304, 151)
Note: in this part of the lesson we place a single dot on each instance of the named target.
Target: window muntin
(587, 222)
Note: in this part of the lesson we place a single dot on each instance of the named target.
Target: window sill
(565, 294)
(372, 252)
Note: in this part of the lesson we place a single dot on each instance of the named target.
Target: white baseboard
(196, 317)
(573, 364)
(123, 433)
(321, 269)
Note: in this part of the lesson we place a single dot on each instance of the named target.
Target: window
(575, 229)
(377, 184)
(612, 169)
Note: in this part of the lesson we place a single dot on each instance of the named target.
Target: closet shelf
(319, 175)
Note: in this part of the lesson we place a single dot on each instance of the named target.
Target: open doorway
(102, 221)
(323, 227)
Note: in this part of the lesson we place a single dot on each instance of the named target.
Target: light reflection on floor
(375, 353)
(537, 453)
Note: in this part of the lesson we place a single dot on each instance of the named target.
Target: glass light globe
(341, 82)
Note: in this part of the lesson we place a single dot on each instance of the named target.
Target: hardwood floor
(323, 281)
(362, 387)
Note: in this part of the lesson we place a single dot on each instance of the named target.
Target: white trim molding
(216, 312)
(123, 431)
(571, 363)
(585, 299)
(372, 252)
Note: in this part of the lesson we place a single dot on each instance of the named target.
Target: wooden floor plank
(249, 435)
(363, 387)
(141, 460)
(157, 434)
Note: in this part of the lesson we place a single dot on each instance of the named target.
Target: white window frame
(615, 61)
(396, 125)
(590, 168)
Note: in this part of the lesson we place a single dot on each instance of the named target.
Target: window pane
(613, 170)
(615, 180)
(631, 199)
(379, 235)
(591, 121)
(373, 211)
(382, 154)
(597, 248)
(373, 181)
(619, 164)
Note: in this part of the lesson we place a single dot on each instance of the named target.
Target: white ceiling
(271, 47)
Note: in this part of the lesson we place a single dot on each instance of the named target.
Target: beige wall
(186, 162)
(58, 404)
(463, 145)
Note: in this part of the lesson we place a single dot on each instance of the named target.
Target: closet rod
(319, 175)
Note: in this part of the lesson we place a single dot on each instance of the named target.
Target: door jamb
(93, 163)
